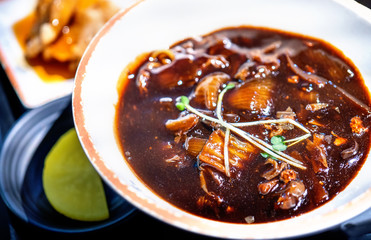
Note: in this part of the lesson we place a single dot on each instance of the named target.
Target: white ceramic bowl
(155, 24)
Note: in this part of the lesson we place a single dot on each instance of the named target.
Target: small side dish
(54, 36)
(245, 125)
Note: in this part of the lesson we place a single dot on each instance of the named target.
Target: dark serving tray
(138, 224)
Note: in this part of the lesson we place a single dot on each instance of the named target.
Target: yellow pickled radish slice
(71, 184)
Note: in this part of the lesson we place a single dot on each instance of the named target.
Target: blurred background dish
(41, 43)
(6, 121)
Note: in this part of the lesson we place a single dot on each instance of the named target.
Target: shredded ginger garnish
(183, 104)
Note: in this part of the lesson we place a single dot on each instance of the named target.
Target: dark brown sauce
(169, 170)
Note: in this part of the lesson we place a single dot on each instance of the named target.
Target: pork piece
(275, 170)
(250, 70)
(213, 152)
(316, 106)
(185, 69)
(267, 187)
(279, 128)
(288, 113)
(317, 151)
(207, 90)
(214, 203)
(356, 125)
(267, 55)
(287, 175)
(320, 193)
(291, 196)
(255, 95)
(218, 62)
(282, 181)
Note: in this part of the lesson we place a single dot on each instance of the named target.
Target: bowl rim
(348, 210)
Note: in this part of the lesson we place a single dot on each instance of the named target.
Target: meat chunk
(356, 125)
(290, 198)
(267, 187)
(275, 170)
(317, 151)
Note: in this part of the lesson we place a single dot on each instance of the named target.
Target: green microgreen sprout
(230, 86)
(220, 98)
(182, 102)
(278, 143)
(266, 155)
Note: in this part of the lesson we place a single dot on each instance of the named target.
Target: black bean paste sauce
(275, 75)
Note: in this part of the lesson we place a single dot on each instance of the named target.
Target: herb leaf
(266, 155)
(180, 106)
(230, 85)
(279, 147)
(182, 102)
(278, 143)
(277, 139)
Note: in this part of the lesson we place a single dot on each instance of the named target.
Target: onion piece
(207, 90)
(250, 219)
(194, 145)
(182, 124)
(255, 95)
(316, 106)
(349, 152)
(213, 152)
(312, 78)
(337, 69)
(321, 82)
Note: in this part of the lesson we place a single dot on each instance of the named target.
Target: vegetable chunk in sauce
(245, 125)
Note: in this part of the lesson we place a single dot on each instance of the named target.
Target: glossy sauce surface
(276, 75)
